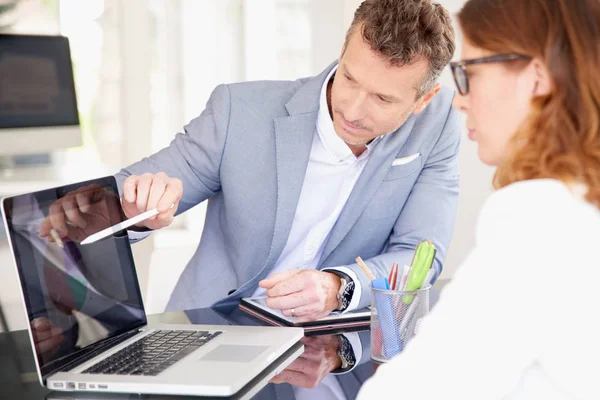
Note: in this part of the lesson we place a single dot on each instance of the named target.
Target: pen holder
(395, 316)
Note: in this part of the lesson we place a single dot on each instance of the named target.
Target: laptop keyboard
(153, 354)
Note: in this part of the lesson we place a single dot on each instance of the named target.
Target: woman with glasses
(520, 318)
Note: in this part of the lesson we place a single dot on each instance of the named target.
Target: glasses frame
(462, 67)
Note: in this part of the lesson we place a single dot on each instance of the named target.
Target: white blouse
(520, 318)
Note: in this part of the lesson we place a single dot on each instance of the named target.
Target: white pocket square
(405, 160)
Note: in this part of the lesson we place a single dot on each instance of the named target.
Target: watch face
(345, 294)
(345, 353)
(340, 296)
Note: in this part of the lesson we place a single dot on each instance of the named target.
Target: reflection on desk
(308, 377)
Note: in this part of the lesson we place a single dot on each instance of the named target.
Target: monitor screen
(78, 297)
(36, 82)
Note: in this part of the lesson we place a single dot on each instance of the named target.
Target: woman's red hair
(561, 137)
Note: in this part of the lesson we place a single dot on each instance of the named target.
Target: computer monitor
(38, 106)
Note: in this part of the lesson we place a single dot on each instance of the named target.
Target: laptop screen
(78, 297)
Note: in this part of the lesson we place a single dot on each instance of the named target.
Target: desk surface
(18, 379)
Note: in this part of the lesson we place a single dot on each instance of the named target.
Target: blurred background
(144, 68)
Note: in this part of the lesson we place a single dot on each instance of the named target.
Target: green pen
(421, 264)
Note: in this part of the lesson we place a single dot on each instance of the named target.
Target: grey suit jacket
(247, 153)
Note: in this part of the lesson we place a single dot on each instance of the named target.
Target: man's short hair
(406, 31)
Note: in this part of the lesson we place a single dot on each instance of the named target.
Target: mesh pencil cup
(395, 316)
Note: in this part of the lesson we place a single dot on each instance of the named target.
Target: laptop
(87, 324)
(250, 391)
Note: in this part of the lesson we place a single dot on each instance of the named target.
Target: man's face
(369, 97)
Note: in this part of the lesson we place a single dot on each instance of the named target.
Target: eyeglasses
(459, 68)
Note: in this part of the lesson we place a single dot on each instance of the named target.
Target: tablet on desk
(357, 319)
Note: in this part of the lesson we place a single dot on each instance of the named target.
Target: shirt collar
(335, 146)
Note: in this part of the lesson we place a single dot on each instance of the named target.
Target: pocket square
(405, 160)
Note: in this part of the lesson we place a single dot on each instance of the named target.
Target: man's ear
(426, 99)
(543, 81)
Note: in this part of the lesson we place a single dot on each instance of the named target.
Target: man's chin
(349, 138)
(356, 144)
(354, 141)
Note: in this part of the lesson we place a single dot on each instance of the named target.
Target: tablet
(353, 319)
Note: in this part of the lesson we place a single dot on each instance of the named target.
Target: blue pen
(381, 283)
(383, 303)
(390, 335)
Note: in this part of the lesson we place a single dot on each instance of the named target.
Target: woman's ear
(543, 82)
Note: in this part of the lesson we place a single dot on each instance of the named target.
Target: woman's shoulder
(534, 189)
(537, 196)
(538, 206)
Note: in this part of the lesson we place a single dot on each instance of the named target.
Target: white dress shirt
(520, 318)
(330, 177)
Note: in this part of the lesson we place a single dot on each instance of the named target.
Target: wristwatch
(344, 295)
(346, 355)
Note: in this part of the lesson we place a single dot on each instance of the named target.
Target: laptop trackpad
(234, 353)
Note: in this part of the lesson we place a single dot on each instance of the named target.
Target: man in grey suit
(301, 177)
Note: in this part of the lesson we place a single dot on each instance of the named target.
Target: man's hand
(146, 192)
(46, 338)
(319, 358)
(81, 213)
(311, 294)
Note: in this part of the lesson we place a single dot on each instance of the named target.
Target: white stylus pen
(119, 227)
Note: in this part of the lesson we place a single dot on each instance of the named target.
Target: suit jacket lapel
(294, 134)
(293, 142)
(367, 184)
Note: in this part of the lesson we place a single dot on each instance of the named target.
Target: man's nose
(357, 109)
